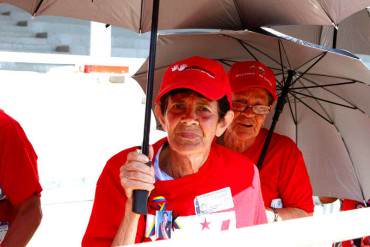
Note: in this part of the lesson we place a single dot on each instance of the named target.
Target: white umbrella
(328, 113)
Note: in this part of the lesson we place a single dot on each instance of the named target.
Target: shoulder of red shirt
(7, 121)
(238, 161)
(279, 139)
(238, 166)
(233, 155)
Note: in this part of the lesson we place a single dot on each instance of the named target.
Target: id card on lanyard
(214, 201)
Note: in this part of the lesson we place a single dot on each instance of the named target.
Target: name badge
(3, 230)
(214, 201)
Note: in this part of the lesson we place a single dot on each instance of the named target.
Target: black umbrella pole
(140, 197)
(278, 110)
(335, 34)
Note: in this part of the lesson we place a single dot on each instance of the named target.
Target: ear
(224, 123)
(159, 116)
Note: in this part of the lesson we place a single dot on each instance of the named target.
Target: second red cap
(248, 74)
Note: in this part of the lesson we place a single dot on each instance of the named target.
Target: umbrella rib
(239, 13)
(291, 111)
(281, 60)
(157, 68)
(245, 44)
(310, 67)
(340, 97)
(337, 77)
(247, 49)
(352, 163)
(321, 106)
(286, 54)
(37, 7)
(141, 16)
(318, 102)
(294, 116)
(273, 68)
(324, 100)
(225, 62)
(310, 60)
(325, 85)
(327, 14)
(296, 126)
(309, 107)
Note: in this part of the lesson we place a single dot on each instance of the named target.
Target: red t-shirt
(283, 174)
(223, 168)
(19, 178)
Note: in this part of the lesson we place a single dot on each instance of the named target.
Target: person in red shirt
(285, 184)
(20, 211)
(201, 185)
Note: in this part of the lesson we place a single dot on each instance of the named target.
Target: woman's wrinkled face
(247, 124)
(191, 122)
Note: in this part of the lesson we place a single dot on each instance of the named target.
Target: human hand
(136, 174)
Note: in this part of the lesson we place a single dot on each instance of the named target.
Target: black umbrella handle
(140, 197)
(139, 202)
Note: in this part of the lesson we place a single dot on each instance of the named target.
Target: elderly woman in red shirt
(285, 184)
(202, 185)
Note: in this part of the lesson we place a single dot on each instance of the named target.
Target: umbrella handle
(140, 197)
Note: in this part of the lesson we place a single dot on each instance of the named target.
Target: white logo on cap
(244, 74)
(261, 74)
(183, 67)
(178, 67)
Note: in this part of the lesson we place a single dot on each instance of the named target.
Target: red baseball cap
(249, 74)
(202, 75)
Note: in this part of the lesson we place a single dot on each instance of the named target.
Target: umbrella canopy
(353, 33)
(328, 113)
(218, 14)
